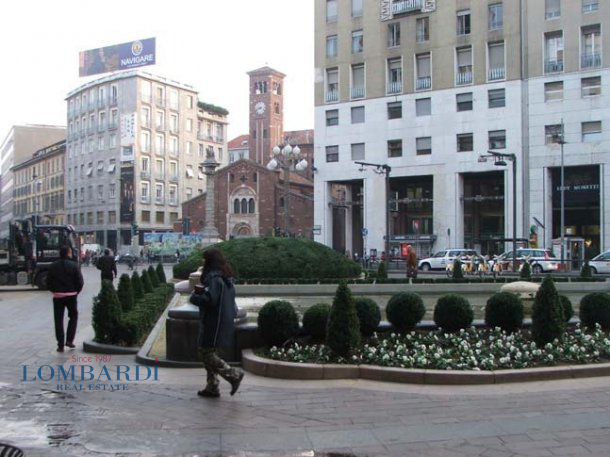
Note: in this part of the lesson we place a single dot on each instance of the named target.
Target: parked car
(441, 259)
(600, 263)
(126, 258)
(541, 260)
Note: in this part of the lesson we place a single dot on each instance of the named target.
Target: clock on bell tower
(266, 112)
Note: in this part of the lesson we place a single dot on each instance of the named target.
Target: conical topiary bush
(161, 273)
(548, 318)
(106, 314)
(136, 285)
(146, 284)
(125, 293)
(152, 275)
(343, 334)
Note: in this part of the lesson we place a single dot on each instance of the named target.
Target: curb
(99, 348)
(308, 371)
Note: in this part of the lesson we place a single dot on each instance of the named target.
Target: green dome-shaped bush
(271, 257)
(405, 310)
(315, 320)
(453, 312)
(504, 310)
(277, 322)
(595, 309)
(369, 315)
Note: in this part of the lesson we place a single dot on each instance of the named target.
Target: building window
(331, 46)
(159, 192)
(463, 72)
(394, 110)
(552, 133)
(423, 107)
(112, 217)
(331, 11)
(553, 91)
(422, 29)
(160, 217)
(552, 9)
(100, 217)
(591, 86)
(145, 191)
(393, 34)
(111, 190)
(496, 98)
(591, 131)
(332, 117)
(464, 101)
(423, 79)
(357, 89)
(464, 142)
(357, 114)
(173, 194)
(357, 8)
(332, 153)
(332, 84)
(394, 75)
(497, 139)
(463, 22)
(591, 43)
(357, 151)
(394, 148)
(553, 51)
(590, 5)
(357, 41)
(495, 55)
(423, 145)
(495, 16)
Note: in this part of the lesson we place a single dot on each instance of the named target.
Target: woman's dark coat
(217, 311)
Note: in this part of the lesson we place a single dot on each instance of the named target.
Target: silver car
(600, 263)
(541, 260)
(441, 259)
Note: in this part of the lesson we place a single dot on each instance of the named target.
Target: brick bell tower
(266, 113)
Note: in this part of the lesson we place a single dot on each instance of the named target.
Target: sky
(207, 44)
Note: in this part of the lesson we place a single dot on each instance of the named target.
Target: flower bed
(472, 349)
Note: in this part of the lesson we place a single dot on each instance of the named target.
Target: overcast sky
(209, 45)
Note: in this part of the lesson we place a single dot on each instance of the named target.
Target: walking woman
(217, 311)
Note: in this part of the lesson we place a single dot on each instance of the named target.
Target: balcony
(160, 176)
(553, 66)
(160, 102)
(593, 60)
(174, 151)
(145, 174)
(219, 139)
(159, 201)
(463, 76)
(495, 74)
(332, 95)
(357, 92)
(113, 125)
(160, 126)
(423, 83)
(406, 6)
(394, 87)
(145, 199)
(173, 201)
(201, 136)
(174, 178)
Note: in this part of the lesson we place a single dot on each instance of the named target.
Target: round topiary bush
(595, 309)
(315, 320)
(369, 315)
(277, 322)
(405, 310)
(566, 305)
(504, 310)
(453, 312)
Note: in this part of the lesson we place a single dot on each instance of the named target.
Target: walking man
(107, 265)
(65, 281)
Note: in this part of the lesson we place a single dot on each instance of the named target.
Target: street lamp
(559, 138)
(383, 169)
(285, 159)
(500, 162)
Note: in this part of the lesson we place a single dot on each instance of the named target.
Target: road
(270, 417)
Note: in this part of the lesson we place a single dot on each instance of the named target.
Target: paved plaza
(271, 417)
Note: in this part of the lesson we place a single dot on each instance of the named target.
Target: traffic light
(134, 229)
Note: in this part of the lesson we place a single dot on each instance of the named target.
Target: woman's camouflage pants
(215, 366)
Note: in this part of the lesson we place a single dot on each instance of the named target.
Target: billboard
(127, 195)
(122, 56)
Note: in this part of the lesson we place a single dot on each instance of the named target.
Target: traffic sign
(365, 232)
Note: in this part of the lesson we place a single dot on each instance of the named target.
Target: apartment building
(410, 97)
(135, 142)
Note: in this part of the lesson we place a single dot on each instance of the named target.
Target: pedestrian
(107, 265)
(215, 298)
(65, 281)
(411, 262)
(177, 255)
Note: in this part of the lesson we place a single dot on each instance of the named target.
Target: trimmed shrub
(381, 271)
(136, 285)
(526, 272)
(453, 312)
(548, 320)
(369, 315)
(161, 273)
(595, 309)
(315, 320)
(504, 310)
(343, 334)
(277, 322)
(457, 269)
(405, 310)
(585, 271)
(106, 314)
(146, 284)
(125, 293)
(152, 274)
(566, 306)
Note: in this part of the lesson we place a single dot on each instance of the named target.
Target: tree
(548, 320)
(343, 334)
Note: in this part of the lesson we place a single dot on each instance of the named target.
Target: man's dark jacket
(217, 311)
(64, 276)
(107, 265)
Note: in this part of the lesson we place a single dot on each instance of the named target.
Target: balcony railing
(145, 199)
(497, 73)
(463, 76)
(144, 174)
(159, 201)
(394, 87)
(423, 82)
(553, 66)
(201, 136)
(496, 25)
(174, 151)
(406, 6)
(357, 92)
(332, 96)
(593, 60)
